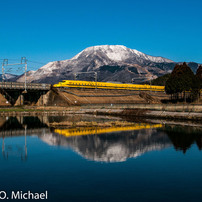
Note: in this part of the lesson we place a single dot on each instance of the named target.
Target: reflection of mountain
(183, 137)
(112, 147)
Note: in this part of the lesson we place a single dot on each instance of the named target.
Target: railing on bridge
(29, 86)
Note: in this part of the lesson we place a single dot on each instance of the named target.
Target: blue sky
(50, 30)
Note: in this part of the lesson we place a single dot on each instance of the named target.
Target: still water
(141, 162)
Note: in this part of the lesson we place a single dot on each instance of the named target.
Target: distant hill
(8, 77)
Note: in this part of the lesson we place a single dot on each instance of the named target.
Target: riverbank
(144, 113)
(162, 111)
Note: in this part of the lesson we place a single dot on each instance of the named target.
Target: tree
(160, 81)
(199, 75)
(182, 79)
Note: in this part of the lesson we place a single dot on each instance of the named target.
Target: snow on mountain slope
(118, 53)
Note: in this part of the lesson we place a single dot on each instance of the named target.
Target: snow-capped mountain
(8, 76)
(111, 62)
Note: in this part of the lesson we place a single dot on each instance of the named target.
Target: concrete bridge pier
(3, 101)
(42, 101)
(20, 100)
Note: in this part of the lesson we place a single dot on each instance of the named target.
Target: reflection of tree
(183, 137)
(199, 141)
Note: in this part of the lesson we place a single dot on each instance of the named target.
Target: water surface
(144, 162)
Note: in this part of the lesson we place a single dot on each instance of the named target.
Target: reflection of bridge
(99, 130)
(28, 92)
(19, 150)
(20, 132)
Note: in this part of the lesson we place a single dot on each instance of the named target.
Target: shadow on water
(112, 144)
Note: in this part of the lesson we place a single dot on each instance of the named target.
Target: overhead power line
(9, 59)
(36, 62)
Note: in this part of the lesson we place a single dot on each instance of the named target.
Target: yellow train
(106, 85)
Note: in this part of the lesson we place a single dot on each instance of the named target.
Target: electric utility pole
(23, 61)
(4, 63)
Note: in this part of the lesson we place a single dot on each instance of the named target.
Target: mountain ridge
(126, 63)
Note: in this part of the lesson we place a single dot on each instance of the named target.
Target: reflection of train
(99, 130)
(105, 85)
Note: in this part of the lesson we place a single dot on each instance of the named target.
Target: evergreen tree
(182, 79)
(160, 81)
(199, 75)
(199, 78)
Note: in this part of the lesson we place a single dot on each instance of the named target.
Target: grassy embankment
(19, 109)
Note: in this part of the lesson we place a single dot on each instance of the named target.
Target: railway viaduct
(20, 93)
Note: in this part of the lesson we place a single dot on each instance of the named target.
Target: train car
(106, 85)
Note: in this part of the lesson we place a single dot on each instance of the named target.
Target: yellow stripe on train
(105, 85)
